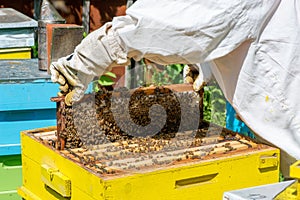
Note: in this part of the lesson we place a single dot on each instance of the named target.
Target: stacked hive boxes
(17, 34)
(24, 104)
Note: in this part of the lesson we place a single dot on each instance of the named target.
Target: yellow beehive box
(15, 53)
(49, 174)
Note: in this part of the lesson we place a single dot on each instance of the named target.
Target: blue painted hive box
(25, 101)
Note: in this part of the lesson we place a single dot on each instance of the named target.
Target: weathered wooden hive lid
(22, 71)
(10, 18)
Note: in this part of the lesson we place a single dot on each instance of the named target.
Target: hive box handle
(54, 179)
(195, 180)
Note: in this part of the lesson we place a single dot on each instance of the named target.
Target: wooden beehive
(195, 160)
(16, 29)
(182, 168)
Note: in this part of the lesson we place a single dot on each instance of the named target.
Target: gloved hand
(193, 74)
(68, 78)
(97, 53)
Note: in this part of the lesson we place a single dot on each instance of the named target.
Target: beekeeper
(251, 46)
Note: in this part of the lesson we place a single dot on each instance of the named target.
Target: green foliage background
(214, 104)
(171, 75)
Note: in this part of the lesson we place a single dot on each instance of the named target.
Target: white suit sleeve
(189, 31)
(168, 32)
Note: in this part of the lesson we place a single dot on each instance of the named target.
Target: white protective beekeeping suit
(253, 47)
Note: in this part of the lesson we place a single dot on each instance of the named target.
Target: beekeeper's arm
(165, 32)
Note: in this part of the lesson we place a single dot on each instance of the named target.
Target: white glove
(97, 53)
(69, 79)
(193, 74)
